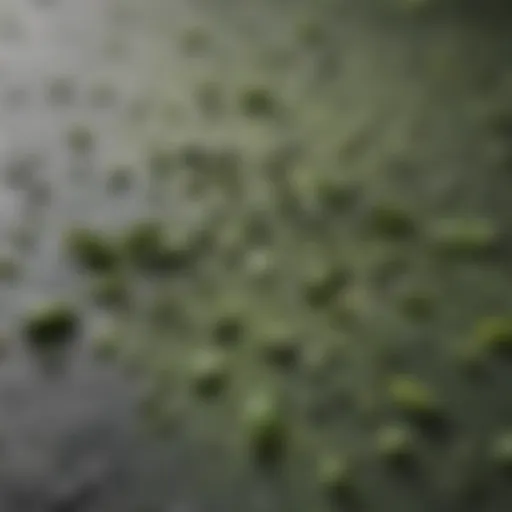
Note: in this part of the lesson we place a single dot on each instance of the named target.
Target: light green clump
(264, 427)
(494, 335)
(50, 323)
(395, 443)
(208, 372)
(459, 237)
(413, 397)
(501, 451)
(335, 476)
(92, 249)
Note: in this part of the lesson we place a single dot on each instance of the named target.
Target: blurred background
(255, 255)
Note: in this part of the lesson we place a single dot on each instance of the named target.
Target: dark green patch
(50, 323)
(494, 335)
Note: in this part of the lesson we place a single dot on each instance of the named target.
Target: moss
(395, 443)
(501, 451)
(209, 372)
(335, 476)
(413, 397)
(264, 427)
(50, 323)
(80, 138)
(258, 101)
(392, 220)
(464, 237)
(494, 335)
(92, 249)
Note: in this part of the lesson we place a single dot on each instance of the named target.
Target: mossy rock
(414, 398)
(50, 323)
(92, 249)
(265, 427)
(494, 335)
(209, 372)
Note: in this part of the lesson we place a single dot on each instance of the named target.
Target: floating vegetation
(335, 476)
(413, 397)
(396, 443)
(494, 335)
(50, 323)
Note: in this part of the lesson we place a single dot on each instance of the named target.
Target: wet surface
(241, 97)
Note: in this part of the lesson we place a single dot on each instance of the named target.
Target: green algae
(92, 249)
(494, 335)
(396, 443)
(335, 476)
(208, 372)
(413, 397)
(50, 323)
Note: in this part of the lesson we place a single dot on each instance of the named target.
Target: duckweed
(413, 397)
(494, 334)
(92, 249)
(50, 323)
(265, 427)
